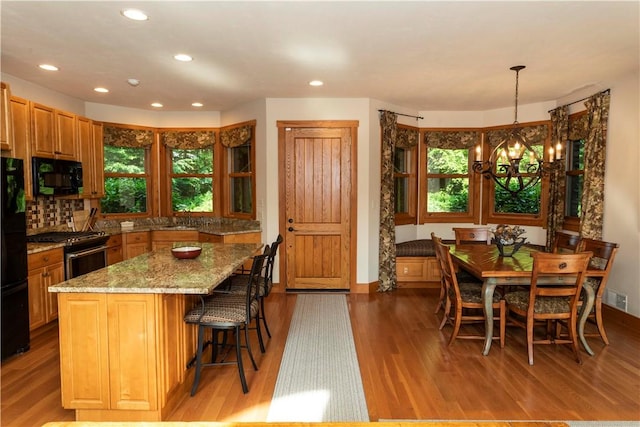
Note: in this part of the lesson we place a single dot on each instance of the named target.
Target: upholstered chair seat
(549, 305)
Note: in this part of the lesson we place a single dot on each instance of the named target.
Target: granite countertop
(217, 229)
(159, 272)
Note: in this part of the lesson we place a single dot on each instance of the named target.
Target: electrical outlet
(621, 302)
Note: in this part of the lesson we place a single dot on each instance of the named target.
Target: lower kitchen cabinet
(45, 269)
(135, 243)
(123, 356)
(114, 249)
(166, 239)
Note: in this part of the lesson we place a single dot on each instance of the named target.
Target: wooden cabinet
(417, 269)
(6, 124)
(123, 354)
(134, 244)
(166, 239)
(254, 237)
(53, 133)
(114, 249)
(45, 269)
(92, 158)
(21, 117)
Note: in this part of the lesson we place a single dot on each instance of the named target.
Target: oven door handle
(91, 251)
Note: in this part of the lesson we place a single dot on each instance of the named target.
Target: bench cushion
(415, 248)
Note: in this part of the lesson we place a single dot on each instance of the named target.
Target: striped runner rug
(319, 378)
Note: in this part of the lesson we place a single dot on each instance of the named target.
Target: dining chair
(463, 304)
(550, 302)
(565, 243)
(472, 235)
(597, 277)
(228, 312)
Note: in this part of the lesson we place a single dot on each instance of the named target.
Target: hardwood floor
(407, 369)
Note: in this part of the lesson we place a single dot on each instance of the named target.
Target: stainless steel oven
(79, 261)
(84, 252)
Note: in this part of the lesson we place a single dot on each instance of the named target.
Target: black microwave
(53, 177)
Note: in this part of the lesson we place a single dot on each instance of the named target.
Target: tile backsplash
(51, 212)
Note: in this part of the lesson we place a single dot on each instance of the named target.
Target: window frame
(411, 175)
(472, 214)
(227, 175)
(151, 170)
(572, 223)
(488, 188)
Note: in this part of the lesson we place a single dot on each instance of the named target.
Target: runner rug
(319, 378)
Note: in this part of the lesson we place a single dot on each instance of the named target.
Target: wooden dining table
(486, 263)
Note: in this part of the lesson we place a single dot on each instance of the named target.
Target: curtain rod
(400, 114)
(579, 100)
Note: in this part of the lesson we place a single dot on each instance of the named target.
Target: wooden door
(319, 205)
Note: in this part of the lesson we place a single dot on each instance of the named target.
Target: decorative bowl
(186, 252)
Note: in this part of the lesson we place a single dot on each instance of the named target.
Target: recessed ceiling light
(133, 82)
(48, 67)
(182, 57)
(135, 14)
(197, 104)
(157, 105)
(101, 89)
(316, 83)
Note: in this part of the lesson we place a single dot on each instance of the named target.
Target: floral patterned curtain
(126, 137)
(188, 140)
(407, 137)
(591, 220)
(557, 180)
(451, 139)
(387, 250)
(235, 137)
(536, 135)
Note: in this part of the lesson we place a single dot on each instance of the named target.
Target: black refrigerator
(15, 292)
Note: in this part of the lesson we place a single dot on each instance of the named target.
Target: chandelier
(513, 164)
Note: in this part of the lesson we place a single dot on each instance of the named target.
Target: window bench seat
(416, 264)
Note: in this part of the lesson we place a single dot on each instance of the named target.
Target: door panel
(318, 207)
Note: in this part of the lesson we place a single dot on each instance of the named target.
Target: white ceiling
(423, 55)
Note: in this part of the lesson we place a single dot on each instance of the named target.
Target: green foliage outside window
(449, 192)
(124, 194)
(526, 202)
(192, 181)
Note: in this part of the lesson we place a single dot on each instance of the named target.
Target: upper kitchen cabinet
(6, 131)
(92, 157)
(21, 117)
(53, 133)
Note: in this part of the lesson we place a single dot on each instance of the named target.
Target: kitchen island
(124, 346)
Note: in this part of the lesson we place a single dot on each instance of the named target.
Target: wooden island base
(124, 356)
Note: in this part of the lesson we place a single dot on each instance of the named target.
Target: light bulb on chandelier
(513, 164)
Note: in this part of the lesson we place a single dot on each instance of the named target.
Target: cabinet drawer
(43, 259)
(141, 237)
(115, 240)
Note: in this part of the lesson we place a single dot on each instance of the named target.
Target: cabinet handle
(45, 274)
(45, 259)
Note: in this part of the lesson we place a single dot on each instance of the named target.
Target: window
(574, 183)
(528, 206)
(239, 171)
(125, 180)
(405, 162)
(191, 176)
(448, 182)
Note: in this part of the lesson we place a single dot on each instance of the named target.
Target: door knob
(291, 229)
(290, 220)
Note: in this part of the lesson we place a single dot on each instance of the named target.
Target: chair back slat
(565, 243)
(472, 235)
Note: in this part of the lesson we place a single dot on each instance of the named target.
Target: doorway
(318, 204)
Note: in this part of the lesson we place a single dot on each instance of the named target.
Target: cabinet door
(209, 238)
(135, 244)
(6, 133)
(37, 302)
(42, 131)
(85, 152)
(21, 117)
(84, 362)
(65, 147)
(55, 275)
(133, 353)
